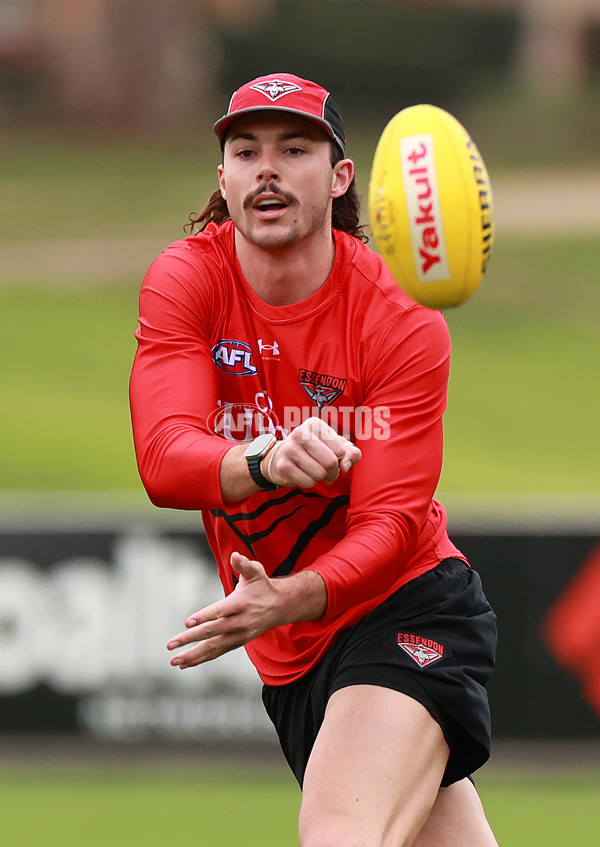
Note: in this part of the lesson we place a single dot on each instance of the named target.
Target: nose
(266, 170)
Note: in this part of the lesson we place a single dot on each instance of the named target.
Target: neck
(286, 275)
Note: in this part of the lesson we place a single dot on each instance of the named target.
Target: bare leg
(456, 820)
(374, 772)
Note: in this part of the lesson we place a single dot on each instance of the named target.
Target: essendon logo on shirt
(424, 651)
(322, 389)
(233, 356)
(424, 208)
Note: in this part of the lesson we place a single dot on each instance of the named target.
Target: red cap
(285, 93)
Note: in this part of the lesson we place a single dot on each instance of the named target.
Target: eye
(244, 153)
(296, 151)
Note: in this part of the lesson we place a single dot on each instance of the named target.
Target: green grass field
(233, 807)
(553, 810)
(523, 413)
(115, 808)
(523, 417)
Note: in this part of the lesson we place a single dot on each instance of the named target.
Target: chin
(272, 239)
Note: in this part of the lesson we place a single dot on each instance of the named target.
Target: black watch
(255, 453)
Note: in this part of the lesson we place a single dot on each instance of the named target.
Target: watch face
(260, 445)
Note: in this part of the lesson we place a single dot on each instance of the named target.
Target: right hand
(313, 452)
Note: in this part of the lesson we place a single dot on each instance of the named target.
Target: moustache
(270, 188)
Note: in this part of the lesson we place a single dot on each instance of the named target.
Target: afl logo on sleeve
(233, 356)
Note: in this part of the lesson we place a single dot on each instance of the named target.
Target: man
(277, 326)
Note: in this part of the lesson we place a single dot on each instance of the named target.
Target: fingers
(246, 568)
(315, 434)
(222, 626)
(208, 649)
(211, 633)
(202, 625)
(305, 462)
(350, 457)
(313, 452)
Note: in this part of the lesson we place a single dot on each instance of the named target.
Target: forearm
(366, 563)
(180, 467)
(235, 479)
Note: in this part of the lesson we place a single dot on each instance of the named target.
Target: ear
(222, 182)
(343, 174)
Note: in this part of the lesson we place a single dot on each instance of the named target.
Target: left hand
(249, 611)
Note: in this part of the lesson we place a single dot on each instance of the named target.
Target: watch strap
(254, 463)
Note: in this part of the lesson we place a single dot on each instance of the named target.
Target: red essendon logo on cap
(275, 88)
(424, 651)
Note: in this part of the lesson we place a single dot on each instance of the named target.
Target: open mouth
(269, 206)
(269, 203)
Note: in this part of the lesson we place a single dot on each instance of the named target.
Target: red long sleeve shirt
(216, 364)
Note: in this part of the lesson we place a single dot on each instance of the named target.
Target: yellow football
(430, 206)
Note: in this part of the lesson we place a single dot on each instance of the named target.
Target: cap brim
(221, 126)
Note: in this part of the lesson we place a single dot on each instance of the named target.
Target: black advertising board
(85, 613)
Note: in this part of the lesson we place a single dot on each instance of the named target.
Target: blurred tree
(127, 63)
(156, 64)
(376, 55)
(241, 15)
(20, 81)
(553, 56)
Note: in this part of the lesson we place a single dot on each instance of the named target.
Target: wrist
(265, 465)
(254, 454)
(303, 596)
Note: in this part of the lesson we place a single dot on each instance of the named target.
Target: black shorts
(434, 639)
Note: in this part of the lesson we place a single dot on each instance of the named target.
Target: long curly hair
(345, 209)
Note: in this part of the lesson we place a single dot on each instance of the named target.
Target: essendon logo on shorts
(424, 651)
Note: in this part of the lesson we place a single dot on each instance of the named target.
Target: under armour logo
(273, 348)
(276, 88)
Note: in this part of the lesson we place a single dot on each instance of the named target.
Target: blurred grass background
(93, 190)
(88, 216)
(237, 806)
